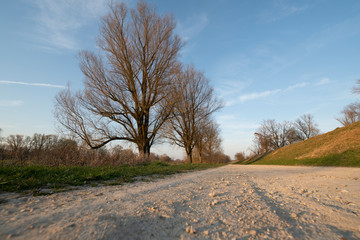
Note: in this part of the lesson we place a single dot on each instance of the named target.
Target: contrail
(33, 84)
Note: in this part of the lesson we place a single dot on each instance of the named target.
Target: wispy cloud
(226, 117)
(332, 34)
(32, 84)
(323, 81)
(57, 21)
(299, 85)
(280, 9)
(256, 95)
(11, 103)
(192, 26)
(228, 88)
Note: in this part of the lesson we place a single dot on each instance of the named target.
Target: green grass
(350, 158)
(33, 178)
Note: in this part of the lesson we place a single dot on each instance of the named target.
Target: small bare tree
(350, 114)
(194, 103)
(126, 86)
(356, 89)
(208, 145)
(261, 143)
(18, 146)
(39, 142)
(306, 127)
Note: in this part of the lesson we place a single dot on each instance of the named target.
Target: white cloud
(228, 88)
(299, 85)
(58, 20)
(281, 9)
(323, 81)
(11, 103)
(32, 84)
(256, 95)
(229, 103)
(192, 26)
(226, 117)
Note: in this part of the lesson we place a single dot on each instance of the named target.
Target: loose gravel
(231, 202)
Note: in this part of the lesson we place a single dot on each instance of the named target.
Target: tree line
(53, 150)
(272, 135)
(137, 90)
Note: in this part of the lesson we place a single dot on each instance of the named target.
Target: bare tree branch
(306, 127)
(272, 135)
(350, 114)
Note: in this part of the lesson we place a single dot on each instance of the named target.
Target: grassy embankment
(340, 147)
(34, 178)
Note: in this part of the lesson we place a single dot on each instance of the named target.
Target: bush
(240, 156)
(51, 150)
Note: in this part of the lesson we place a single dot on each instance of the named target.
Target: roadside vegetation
(56, 163)
(35, 178)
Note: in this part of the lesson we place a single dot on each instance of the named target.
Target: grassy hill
(340, 147)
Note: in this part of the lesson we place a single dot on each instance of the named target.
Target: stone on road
(231, 202)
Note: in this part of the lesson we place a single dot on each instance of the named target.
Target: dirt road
(231, 202)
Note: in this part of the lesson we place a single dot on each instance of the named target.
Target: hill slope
(340, 147)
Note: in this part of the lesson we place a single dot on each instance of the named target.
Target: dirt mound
(336, 142)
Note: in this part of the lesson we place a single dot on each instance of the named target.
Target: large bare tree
(306, 127)
(127, 83)
(194, 102)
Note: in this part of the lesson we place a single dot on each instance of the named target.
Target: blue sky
(269, 59)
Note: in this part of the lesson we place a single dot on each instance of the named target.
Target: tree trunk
(200, 157)
(144, 152)
(189, 154)
(189, 158)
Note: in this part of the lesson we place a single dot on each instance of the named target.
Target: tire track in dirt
(231, 202)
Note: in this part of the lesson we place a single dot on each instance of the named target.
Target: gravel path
(231, 202)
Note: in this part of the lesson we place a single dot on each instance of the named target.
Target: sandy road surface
(231, 202)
